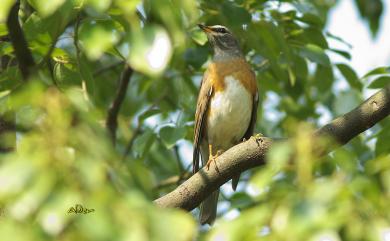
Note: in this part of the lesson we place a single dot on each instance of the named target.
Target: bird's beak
(205, 28)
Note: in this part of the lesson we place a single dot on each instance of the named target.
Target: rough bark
(253, 152)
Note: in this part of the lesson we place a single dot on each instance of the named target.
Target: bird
(226, 108)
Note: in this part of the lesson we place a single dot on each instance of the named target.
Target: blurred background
(97, 109)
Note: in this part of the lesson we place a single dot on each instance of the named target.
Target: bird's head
(222, 40)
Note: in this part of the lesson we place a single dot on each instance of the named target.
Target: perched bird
(226, 108)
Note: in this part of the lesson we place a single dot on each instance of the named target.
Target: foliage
(64, 155)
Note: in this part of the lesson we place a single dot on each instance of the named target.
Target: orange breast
(238, 68)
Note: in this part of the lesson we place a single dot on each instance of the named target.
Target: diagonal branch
(19, 43)
(112, 117)
(253, 152)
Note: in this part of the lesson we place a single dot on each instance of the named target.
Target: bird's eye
(221, 30)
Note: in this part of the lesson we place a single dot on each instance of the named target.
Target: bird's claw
(213, 159)
(257, 138)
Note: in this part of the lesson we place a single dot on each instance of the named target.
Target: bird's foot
(257, 138)
(213, 158)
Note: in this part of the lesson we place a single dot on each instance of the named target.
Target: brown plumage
(226, 108)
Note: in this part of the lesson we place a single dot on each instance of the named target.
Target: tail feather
(235, 182)
(208, 209)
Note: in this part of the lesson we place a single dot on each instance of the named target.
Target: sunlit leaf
(171, 134)
(143, 142)
(350, 75)
(3, 29)
(377, 71)
(345, 54)
(345, 102)
(5, 8)
(98, 36)
(380, 82)
(199, 37)
(150, 51)
(46, 8)
(100, 5)
(315, 54)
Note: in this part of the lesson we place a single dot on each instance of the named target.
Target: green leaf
(237, 15)
(6, 48)
(264, 33)
(240, 200)
(196, 56)
(5, 8)
(171, 134)
(377, 71)
(198, 36)
(66, 74)
(345, 54)
(182, 226)
(330, 35)
(98, 36)
(4, 93)
(144, 142)
(3, 29)
(46, 8)
(10, 78)
(300, 67)
(151, 50)
(311, 19)
(371, 11)
(379, 83)
(100, 5)
(37, 33)
(148, 113)
(382, 147)
(315, 54)
(291, 76)
(315, 36)
(350, 75)
(346, 101)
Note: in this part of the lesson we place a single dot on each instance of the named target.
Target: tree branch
(253, 152)
(22, 52)
(112, 117)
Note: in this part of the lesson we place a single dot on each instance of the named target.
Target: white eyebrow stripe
(215, 27)
(218, 26)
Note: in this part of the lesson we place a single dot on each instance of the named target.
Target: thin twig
(178, 159)
(174, 180)
(22, 52)
(76, 38)
(108, 67)
(138, 129)
(112, 116)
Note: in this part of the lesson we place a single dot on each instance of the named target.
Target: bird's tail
(208, 209)
(235, 181)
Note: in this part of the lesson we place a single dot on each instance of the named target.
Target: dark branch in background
(173, 180)
(112, 117)
(253, 152)
(138, 130)
(19, 43)
(178, 159)
(108, 67)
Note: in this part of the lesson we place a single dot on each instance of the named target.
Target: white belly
(230, 115)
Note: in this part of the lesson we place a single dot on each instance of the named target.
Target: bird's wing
(202, 105)
(249, 131)
(251, 127)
